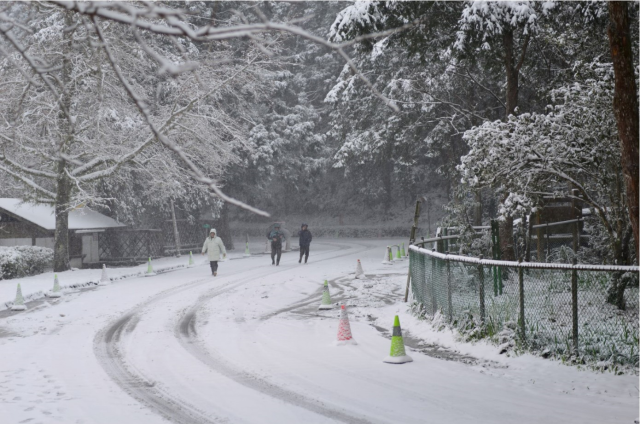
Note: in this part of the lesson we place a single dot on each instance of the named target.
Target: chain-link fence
(558, 309)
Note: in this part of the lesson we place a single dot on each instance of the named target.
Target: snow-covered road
(250, 346)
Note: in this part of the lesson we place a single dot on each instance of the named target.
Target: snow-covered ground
(250, 346)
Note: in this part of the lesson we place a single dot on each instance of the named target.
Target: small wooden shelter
(34, 225)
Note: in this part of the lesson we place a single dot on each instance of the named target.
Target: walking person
(214, 247)
(305, 242)
(276, 236)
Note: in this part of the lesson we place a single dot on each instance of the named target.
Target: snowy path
(250, 346)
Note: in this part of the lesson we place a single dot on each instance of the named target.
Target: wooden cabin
(28, 224)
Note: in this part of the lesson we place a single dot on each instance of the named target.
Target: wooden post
(548, 242)
(412, 239)
(577, 214)
(539, 242)
(527, 257)
(416, 216)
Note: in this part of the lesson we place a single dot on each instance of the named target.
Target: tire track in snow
(185, 331)
(109, 352)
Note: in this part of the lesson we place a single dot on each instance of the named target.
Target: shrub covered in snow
(20, 261)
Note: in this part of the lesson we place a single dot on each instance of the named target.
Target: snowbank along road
(250, 346)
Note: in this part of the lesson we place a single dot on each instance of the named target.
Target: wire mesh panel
(129, 245)
(501, 299)
(607, 333)
(548, 309)
(564, 310)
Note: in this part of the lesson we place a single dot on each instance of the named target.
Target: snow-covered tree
(572, 146)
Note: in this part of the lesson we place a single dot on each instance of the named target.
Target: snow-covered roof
(43, 215)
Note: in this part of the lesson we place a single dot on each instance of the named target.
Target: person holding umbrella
(276, 236)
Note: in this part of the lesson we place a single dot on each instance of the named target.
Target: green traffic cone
(404, 254)
(190, 260)
(390, 254)
(398, 257)
(56, 292)
(18, 304)
(149, 270)
(326, 297)
(246, 250)
(397, 354)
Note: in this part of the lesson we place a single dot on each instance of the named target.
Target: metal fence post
(449, 302)
(432, 286)
(521, 290)
(481, 289)
(574, 305)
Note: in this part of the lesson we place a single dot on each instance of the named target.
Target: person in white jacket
(214, 246)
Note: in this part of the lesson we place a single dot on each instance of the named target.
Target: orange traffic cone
(344, 329)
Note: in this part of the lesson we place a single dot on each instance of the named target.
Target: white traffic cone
(387, 257)
(266, 247)
(359, 270)
(104, 278)
(344, 329)
(56, 292)
(18, 304)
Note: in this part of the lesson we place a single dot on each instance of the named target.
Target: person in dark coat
(305, 242)
(276, 236)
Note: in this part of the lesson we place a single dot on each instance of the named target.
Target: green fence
(555, 307)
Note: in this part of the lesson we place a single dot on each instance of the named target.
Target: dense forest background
(478, 109)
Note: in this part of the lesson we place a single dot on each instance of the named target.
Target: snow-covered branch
(197, 174)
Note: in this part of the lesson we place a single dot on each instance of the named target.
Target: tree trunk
(64, 184)
(625, 106)
(512, 71)
(477, 209)
(61, 244)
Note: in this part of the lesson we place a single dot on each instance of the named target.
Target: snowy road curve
(250, 346)
(170, 405)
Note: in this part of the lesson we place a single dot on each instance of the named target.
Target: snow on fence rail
(558, 308)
